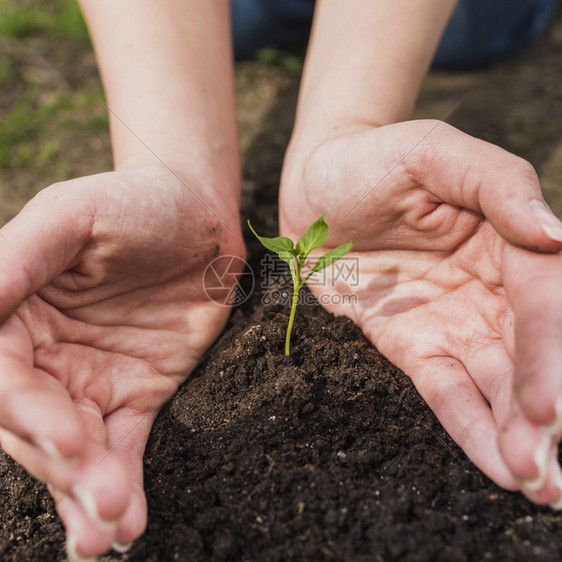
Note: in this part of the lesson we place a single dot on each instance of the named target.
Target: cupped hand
(458, 285)
(102, 314)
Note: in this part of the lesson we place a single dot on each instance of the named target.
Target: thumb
(474, 174)
(532, 284)
(41, 242)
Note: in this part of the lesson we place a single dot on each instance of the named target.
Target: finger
(29, 397)
(491, 369)
(471, 173)
(529, 454)
(84, 540)
(532, 282)
(532, 457)
(525, 452)
(445, 385)
(41, 242)
(128, 432)
(98, 484)
(81, 515)
(99, 481)
(133, 522)
(105, 506)
(41, 462)
(58, 442)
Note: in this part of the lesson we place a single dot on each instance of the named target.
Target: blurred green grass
(19, 19)
(290, 60)
(38, 106)
(42, 43)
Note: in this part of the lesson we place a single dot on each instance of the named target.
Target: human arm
(168, 77)
(365, 63)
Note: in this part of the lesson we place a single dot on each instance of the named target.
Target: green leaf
(330, 257)
(313, 238)
(281, 245)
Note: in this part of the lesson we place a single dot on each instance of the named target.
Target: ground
(329, 454)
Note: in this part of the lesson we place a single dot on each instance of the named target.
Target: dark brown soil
(329, 454)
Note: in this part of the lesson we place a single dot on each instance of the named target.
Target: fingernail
(88, 503)
(557, 505)
(555, 428)
(557, 477)
(122, 547)
(52, 451)
(550, 224)
(540, 456)
(71, 553)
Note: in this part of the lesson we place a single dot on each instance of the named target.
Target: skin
(448, 231)
(441, 293)
(102, 308)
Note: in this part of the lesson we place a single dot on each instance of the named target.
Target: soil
(329, 454)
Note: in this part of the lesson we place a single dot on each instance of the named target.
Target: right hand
(459, 281)
(102, 314)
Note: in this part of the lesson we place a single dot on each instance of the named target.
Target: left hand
(103, 311)
(447, 290)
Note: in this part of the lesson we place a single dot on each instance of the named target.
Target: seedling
(296, 256)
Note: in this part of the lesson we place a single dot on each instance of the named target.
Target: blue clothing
(479, 33)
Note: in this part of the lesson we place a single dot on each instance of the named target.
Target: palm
(434, 275)
(455, 298)
(117, 360)
(441, 315)
(443, 318)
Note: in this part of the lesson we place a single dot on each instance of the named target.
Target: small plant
(296, 255)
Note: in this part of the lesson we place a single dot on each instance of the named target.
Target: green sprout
(296, 256)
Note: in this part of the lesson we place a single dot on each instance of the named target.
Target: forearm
(167, 72)
(366, 61)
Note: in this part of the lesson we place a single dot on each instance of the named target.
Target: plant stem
(296, 290)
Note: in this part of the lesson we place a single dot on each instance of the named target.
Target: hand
(447, 290)
(102, 314)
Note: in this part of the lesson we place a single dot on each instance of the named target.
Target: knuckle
(524, 169)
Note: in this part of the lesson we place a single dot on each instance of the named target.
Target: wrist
(307, 137)
(209, 183)
(185, 137)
